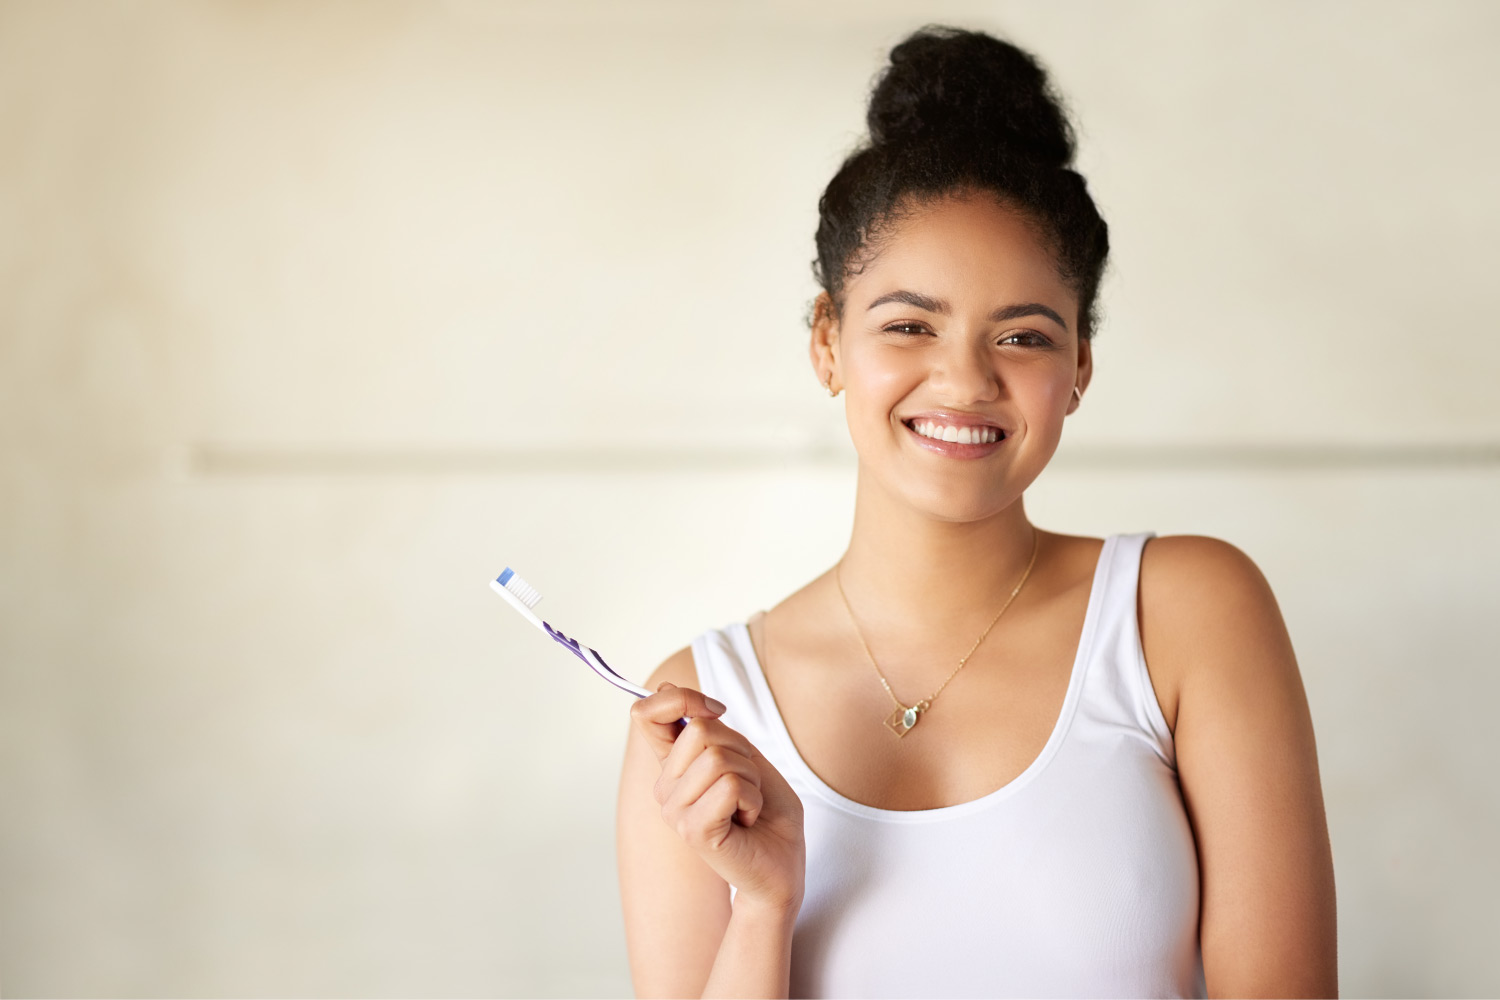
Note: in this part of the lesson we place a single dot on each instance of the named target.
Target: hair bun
(949, 85)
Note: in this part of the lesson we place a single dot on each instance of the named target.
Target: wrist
(775, 912)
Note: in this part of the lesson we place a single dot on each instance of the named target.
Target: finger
(659, 716)
(709, 821)
(676, 794)
(751, 799)
(696, 736)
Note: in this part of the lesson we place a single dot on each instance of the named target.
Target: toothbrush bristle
(512, 582)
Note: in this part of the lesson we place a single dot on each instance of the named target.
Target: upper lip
(953, 418)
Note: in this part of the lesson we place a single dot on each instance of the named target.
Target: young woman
(976, 758)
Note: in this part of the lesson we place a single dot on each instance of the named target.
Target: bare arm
(697, 811)
(1249, 770)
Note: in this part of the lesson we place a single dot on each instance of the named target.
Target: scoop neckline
(810, 779)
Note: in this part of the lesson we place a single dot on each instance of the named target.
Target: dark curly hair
(962, 110)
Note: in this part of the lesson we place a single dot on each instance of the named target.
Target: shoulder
(1201, 602)
(1181, 561)
(679, 669)
(1195, 582)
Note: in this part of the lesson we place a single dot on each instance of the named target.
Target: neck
(904, 566)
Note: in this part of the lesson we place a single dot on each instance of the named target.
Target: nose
(964, 372)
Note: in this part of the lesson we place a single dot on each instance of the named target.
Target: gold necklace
(904, 719)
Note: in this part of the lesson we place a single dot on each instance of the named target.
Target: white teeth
(958, 435)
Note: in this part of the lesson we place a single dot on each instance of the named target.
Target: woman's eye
(908, 328)
(1026, 339)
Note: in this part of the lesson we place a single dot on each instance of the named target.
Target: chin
(962, 505)
(961, 493)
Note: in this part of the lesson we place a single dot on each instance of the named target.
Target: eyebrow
(939, 306)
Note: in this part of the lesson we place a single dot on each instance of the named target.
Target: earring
(828, 384)
(1077, 395)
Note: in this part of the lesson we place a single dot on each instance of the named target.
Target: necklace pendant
(902, 720)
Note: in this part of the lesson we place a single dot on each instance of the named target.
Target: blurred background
(314, 316)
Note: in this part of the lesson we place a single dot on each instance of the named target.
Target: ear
(823, 347)
(1084, 374)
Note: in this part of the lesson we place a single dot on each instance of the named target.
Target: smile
(960, 435)
(955, 441)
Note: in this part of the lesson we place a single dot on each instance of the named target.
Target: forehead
(969, 249)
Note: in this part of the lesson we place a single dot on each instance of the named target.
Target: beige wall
(314, 316)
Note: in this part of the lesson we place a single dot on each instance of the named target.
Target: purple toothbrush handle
(597, 664)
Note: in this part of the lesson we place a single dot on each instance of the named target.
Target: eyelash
(913, 329)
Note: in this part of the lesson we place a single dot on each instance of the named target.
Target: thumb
(660, 717)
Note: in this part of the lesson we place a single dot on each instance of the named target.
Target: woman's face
(960, 327)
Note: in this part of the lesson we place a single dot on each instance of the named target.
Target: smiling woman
(975, 757)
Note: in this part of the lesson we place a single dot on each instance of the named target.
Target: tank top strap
(728, 670)
(1118, 689)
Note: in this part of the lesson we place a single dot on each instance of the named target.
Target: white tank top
(1078, 878)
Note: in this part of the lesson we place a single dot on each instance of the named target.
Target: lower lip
(954, 449)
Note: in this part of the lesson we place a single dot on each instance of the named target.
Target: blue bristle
(505, 577)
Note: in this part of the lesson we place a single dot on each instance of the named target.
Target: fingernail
(716, 707)
(663, 686)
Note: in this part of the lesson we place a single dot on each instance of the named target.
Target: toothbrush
(523, 597)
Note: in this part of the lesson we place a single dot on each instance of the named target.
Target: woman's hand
(724, 799)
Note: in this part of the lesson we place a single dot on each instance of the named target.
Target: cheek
(877, 380)
(1042, 391)
(1054, 394)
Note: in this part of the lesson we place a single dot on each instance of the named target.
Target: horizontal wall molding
(1306, 457)
(222, 461)
(230, 461)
